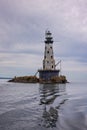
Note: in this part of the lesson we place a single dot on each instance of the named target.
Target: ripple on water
(43, 106)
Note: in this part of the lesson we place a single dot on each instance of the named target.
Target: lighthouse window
(44, 66)
(50, 47)
(52, 66)
(51, 57)
(47, 51)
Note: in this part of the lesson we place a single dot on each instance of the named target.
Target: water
(43, 106)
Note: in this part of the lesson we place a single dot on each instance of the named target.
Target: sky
(22, 33)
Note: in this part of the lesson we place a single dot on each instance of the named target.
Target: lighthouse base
(46, 75)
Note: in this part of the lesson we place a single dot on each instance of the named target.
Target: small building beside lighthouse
(49, 68)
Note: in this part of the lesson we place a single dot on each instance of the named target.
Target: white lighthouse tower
(49, 68)
(48, 62)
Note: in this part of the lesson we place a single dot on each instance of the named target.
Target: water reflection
(50, 99)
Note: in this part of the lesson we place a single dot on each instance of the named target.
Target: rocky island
(49, 73)
(34, 79)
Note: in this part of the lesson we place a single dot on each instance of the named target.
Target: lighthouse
(48, 62)
(49, 68)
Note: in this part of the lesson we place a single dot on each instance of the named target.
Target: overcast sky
(22, 32)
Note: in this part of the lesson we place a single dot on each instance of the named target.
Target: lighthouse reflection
(52, 98)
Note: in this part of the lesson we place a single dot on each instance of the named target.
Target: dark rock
(34, 79)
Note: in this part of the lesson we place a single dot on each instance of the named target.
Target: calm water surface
(43, 106)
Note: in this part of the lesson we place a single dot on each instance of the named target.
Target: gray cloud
(23, 24)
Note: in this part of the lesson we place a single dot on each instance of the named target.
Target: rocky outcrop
(25, 79)
(34, 79)
(59, 79)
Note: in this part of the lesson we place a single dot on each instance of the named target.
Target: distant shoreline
(5, 78)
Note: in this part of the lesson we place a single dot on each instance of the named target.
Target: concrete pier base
(47, 74)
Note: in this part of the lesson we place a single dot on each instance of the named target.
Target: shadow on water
(51, 98)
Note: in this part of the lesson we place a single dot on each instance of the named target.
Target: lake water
(43, 106)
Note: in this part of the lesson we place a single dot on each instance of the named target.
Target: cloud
(19, 64)
(8, 60)
(22, 27)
